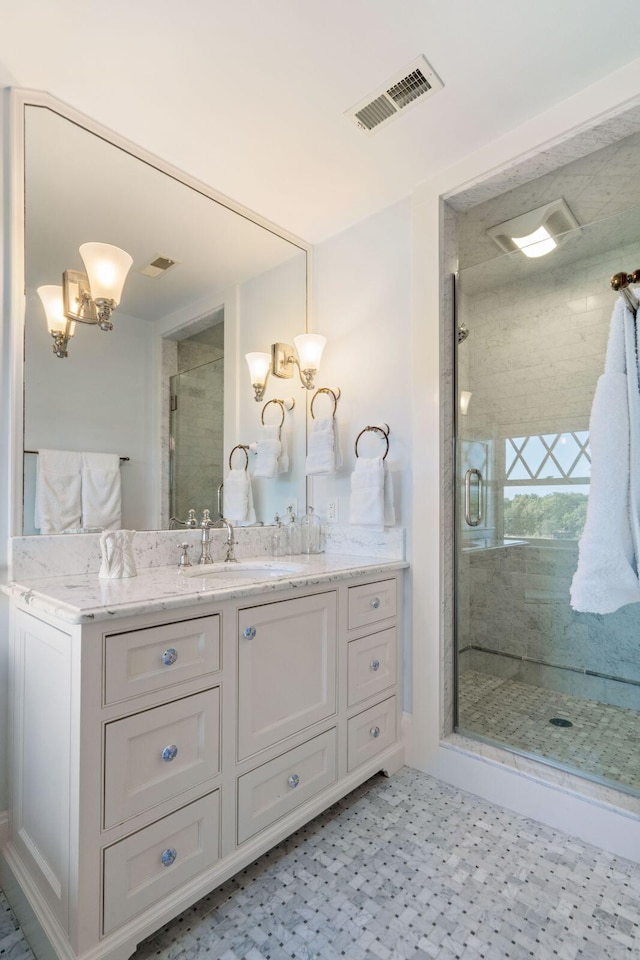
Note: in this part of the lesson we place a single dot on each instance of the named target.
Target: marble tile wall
(34, 557)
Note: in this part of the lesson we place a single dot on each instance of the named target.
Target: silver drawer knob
(375, 664)
(294, 780)
(169, 656)
(374, 732)
(375, 603)
(170, 753)
(250, 633)
(168, 856)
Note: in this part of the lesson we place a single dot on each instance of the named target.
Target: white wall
(362, 304)
(272, 304)
(99, 398)
(5, 441)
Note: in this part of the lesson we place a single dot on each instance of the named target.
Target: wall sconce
(465, 400)
(60, 327)
(92, 297)
(282, 361)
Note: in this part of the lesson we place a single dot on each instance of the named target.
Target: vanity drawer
(282, 784)
(142, 661)
(372, 665)
(160, 753)
(370, 732)
(371, 603)
(152, 863)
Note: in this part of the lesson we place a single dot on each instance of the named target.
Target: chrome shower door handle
(468, 519)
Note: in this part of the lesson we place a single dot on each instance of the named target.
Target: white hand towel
(371, 501)
(101, 500)
(606, 578)
(238, 498)
(325, 455)
(58, 485)
(267, 450)
(283, 459)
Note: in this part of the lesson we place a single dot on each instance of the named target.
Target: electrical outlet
(332, 511)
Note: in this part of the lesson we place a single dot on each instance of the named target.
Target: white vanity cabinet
(153, 756)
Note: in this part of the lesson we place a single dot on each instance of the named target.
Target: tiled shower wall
(534, 354)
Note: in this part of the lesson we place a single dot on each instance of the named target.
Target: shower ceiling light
(537, 232)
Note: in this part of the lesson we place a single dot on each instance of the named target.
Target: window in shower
(546, 485)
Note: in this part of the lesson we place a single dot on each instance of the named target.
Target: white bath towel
(268, 450)
(238, 498)
(58, 497)
(325, 455)
(101, 491)
(607, 574)
(371, 501)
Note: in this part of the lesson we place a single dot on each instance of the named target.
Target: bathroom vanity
(168, 730)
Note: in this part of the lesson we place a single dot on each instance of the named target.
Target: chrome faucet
(205, 526)
(189, 522)
(230, 542)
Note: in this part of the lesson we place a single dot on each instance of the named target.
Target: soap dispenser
(310, 533)
(279, 539)
(293, 530)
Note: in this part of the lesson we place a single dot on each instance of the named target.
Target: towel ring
(283, 404)
(245, 448)
(336, 394)
(385, 434)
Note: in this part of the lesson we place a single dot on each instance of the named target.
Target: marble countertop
(87, 598)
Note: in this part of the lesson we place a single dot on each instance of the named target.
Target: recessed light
(537, 232)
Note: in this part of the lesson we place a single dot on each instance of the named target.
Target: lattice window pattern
(556, 456)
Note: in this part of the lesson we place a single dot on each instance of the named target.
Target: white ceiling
(249, 96)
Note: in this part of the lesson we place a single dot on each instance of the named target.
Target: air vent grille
(407, 88)
(375, 113)
(157, 266)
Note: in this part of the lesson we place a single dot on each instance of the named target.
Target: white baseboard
(4, 827)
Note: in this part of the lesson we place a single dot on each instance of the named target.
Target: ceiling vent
(158, 266)
(406, 89)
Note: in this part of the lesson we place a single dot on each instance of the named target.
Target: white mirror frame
(14, 293)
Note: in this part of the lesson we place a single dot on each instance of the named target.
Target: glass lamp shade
(259, 366)
(107, 268)
(309, 347)
(51, 297)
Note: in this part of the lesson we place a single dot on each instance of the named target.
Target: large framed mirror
(168, 389)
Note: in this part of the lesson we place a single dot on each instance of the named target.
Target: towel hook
(284, 405)
(621, 280)
(336, 394)
(384, 430)
(240, 446)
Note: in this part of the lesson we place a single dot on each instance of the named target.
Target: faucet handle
(191, 519)
(184, 559)
(206, 519)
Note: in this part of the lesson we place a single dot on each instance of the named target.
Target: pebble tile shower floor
(408, 869)
(603, 741)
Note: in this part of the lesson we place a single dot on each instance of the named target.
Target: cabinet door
(286, 669)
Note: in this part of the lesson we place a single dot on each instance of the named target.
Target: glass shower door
(532, 674)
(196, 438)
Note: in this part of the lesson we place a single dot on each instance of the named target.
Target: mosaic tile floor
(604, 741)
(409, 869)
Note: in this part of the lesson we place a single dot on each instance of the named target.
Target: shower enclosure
(532, 674)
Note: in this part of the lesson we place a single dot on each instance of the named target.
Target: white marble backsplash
(72, 554)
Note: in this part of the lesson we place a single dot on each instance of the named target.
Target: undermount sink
(244, 569)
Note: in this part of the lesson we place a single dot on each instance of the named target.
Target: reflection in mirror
(168, 387)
